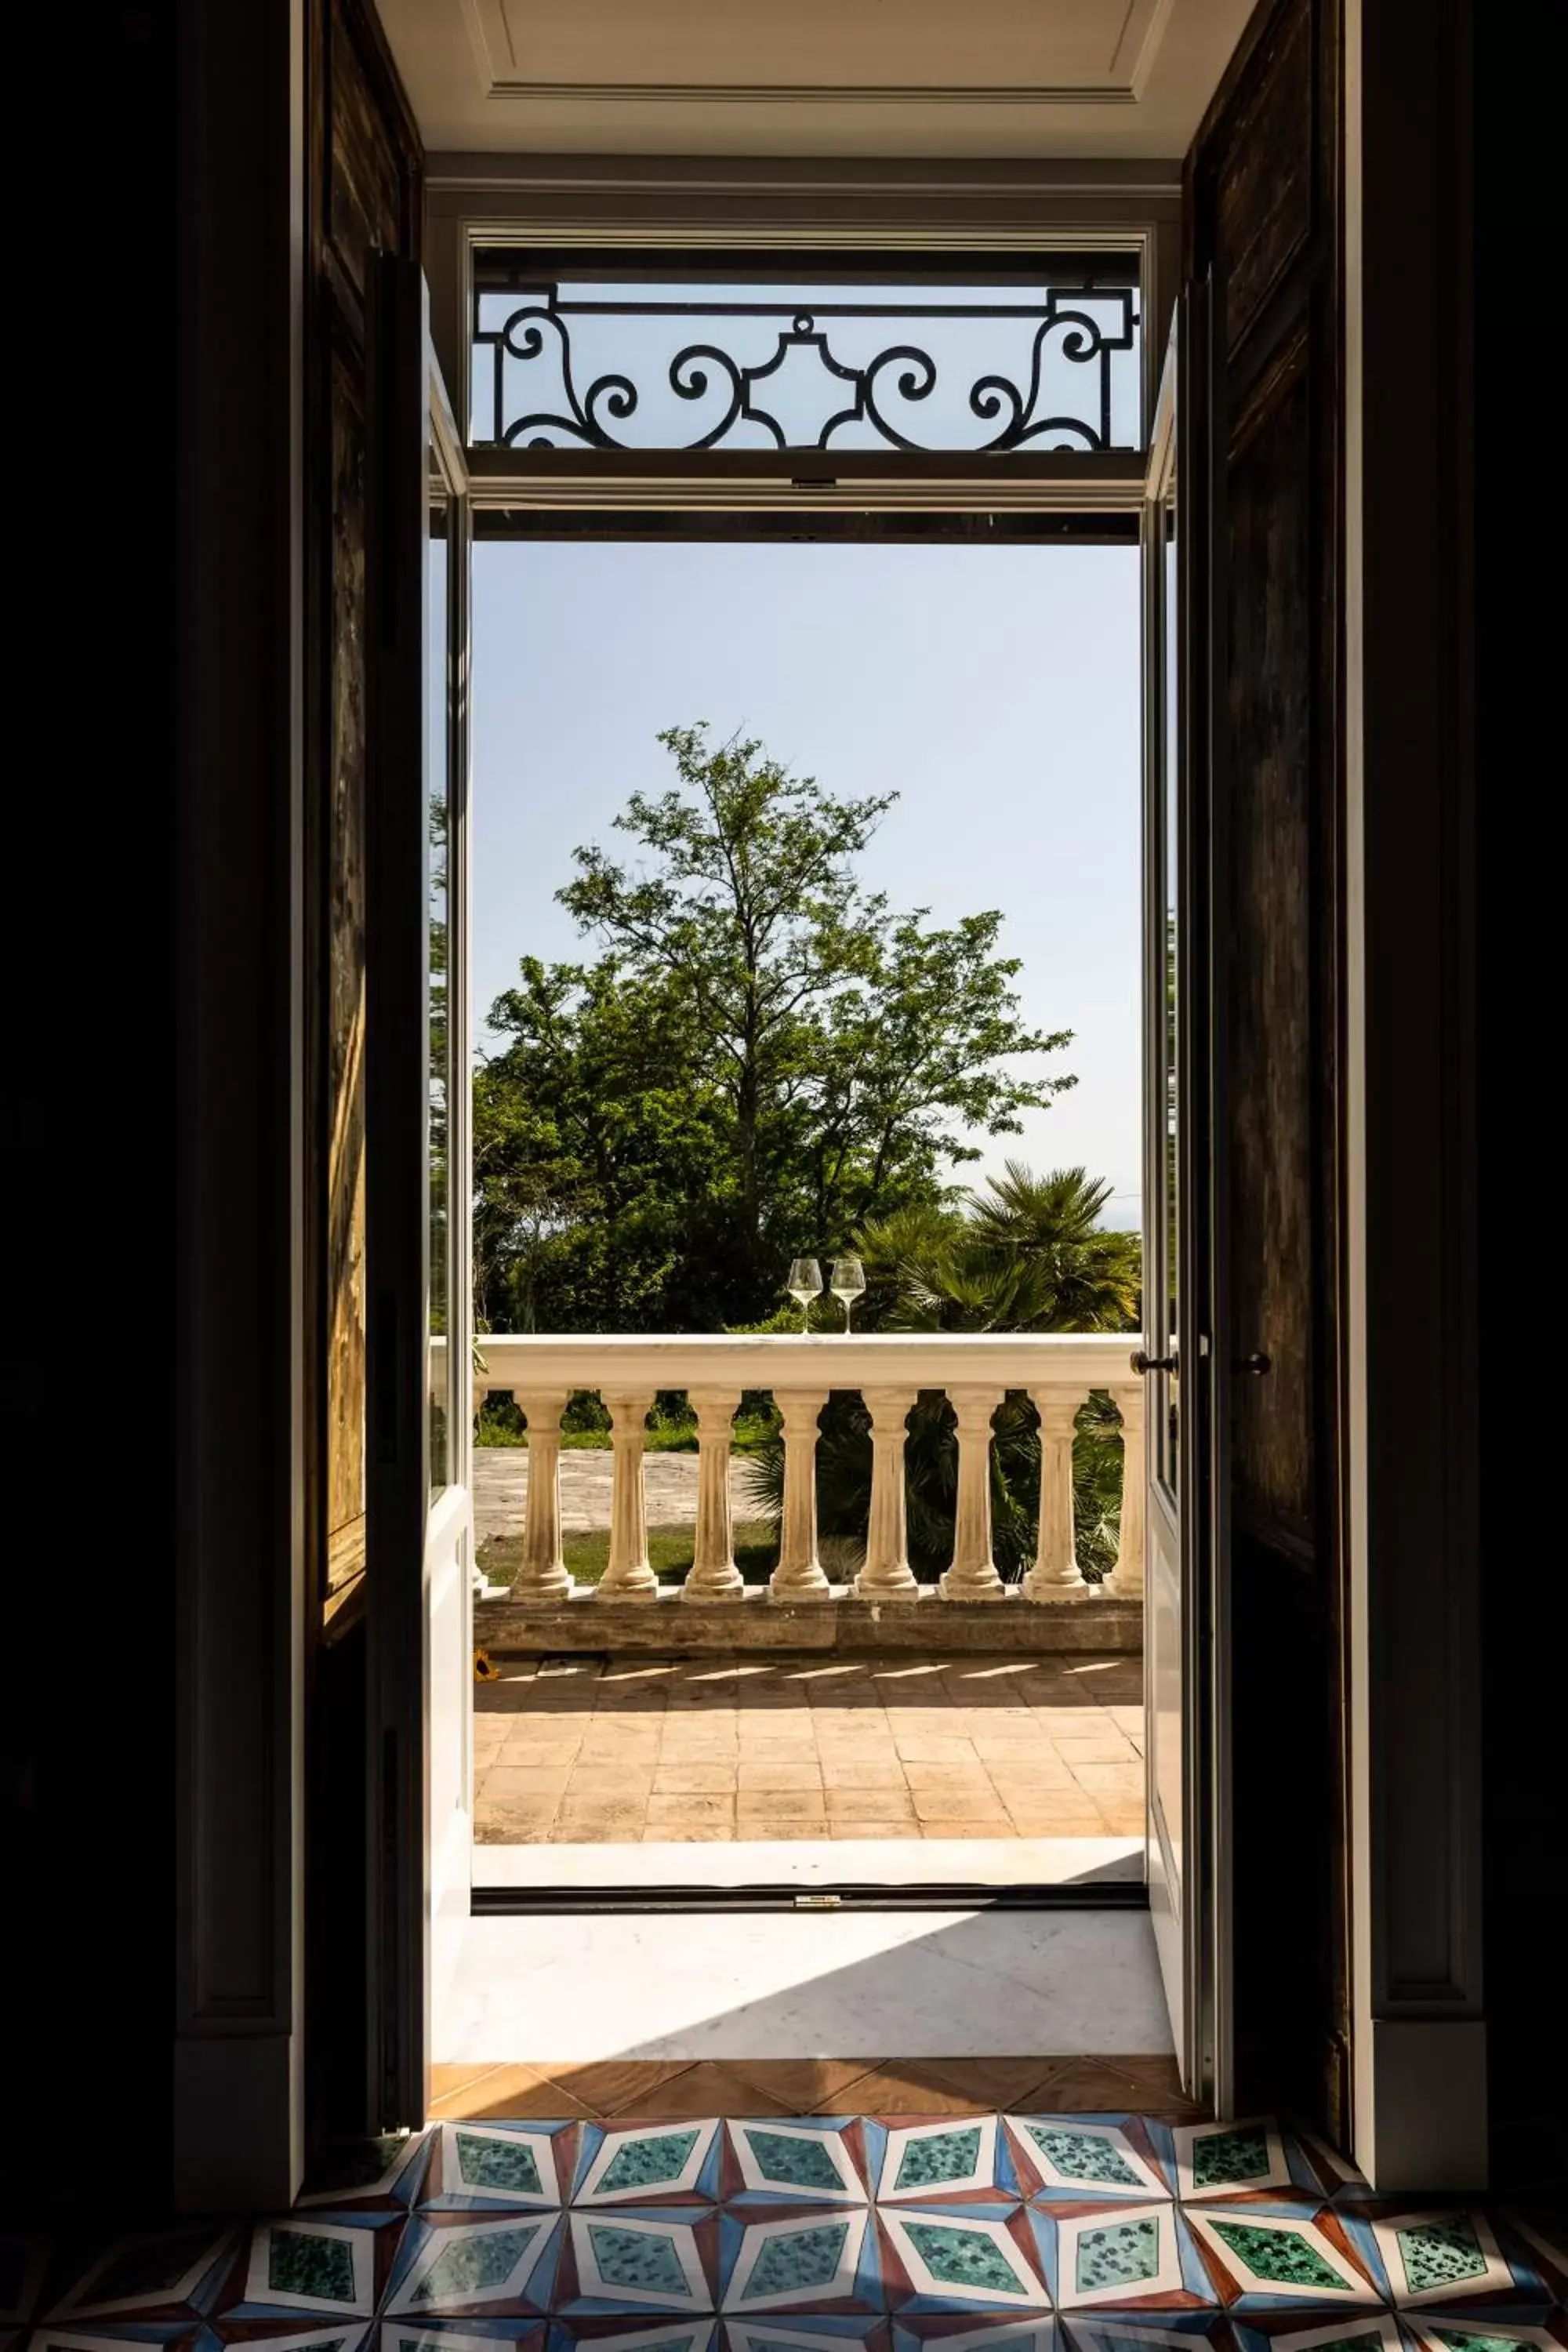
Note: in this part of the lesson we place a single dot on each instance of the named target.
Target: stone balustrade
(1057, 1370)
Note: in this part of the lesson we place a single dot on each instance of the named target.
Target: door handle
(1142, 1363)
(1257, 1363)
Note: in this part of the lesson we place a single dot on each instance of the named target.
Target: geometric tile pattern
(1441, 2257)
(477, 2162)
(638, 2164)
(944, 2160)
(947, 2232)
(152, 2274)
(960, 2258)
(1075, 2156)
(1221, 2159)
(773, 2160)
(1474, 2336)
(1263, 2257)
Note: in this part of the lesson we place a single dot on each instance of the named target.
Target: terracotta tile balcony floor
(719, 1750)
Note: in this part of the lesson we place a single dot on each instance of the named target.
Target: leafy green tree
(763, 1058)
(596, 1139)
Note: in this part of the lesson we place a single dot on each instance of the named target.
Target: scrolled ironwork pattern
(789, 376)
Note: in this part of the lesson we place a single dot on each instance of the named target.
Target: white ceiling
(1025, 78)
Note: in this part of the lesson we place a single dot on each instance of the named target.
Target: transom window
(1047, 359)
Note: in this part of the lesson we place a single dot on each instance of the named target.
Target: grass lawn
(503, 1427)
(668, 1552)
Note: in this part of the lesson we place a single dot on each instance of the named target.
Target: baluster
(543, 1574)
(972, 1575)
(713, 1575)
(1125, 1581)
(628, 1575)
(1055, 1571)
(799, 1574)
(480, 1584)
(886, 1575)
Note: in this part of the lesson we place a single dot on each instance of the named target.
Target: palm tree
(1029, 1253)
(1026, 1255)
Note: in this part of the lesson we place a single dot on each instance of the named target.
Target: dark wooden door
(364, 203)
(1264, 261)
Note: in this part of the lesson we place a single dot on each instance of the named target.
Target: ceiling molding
(762, 234)
(676, 179)
(504, 74)
(713, 93)
(1086, 80)
(1139, 46)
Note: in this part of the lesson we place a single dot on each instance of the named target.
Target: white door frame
(449, 1533)
(1166, 1714)
(504, 480)
(1185, 1648)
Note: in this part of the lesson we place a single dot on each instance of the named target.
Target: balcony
(871, 1602)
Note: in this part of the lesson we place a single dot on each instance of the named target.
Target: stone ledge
(673, 1627)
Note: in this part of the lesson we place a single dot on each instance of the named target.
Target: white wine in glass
(846, 1282)
(804, 1284)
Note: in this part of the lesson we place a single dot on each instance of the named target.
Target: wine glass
(804, 1284)
(846, 1282)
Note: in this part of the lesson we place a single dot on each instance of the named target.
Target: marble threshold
(735, 1985)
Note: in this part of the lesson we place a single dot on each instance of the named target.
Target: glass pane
(1051, 364)
(1170, 1204)
(346, 913)
(437, 786)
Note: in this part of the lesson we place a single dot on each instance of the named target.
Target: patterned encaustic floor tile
(984, 2232)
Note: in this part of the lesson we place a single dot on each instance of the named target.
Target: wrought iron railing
(1043, 368)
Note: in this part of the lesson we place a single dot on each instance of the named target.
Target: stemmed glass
(846, 1282)
(804, 1284)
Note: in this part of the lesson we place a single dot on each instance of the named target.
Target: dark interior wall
(1480, 588)
(1525, 1646)
(91, 1730)
(157, 1268)
(88, 1639)
(1524, 1577)
(1265, 421)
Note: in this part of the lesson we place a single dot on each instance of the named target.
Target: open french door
(419, 1504)
(1185, 1634)
(449, 1577)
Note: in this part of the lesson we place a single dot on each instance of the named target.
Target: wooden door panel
(368, 188)
(363, 193)
(1286, 1826)
(1265, 179)
(1270, 1013)
(1264, 183)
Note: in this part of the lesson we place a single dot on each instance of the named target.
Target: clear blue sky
(996, 689)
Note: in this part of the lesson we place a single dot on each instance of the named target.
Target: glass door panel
(438, 734)
(419, 1618)
(1167, 1598)
(448, 1550)
(1167, 1421)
